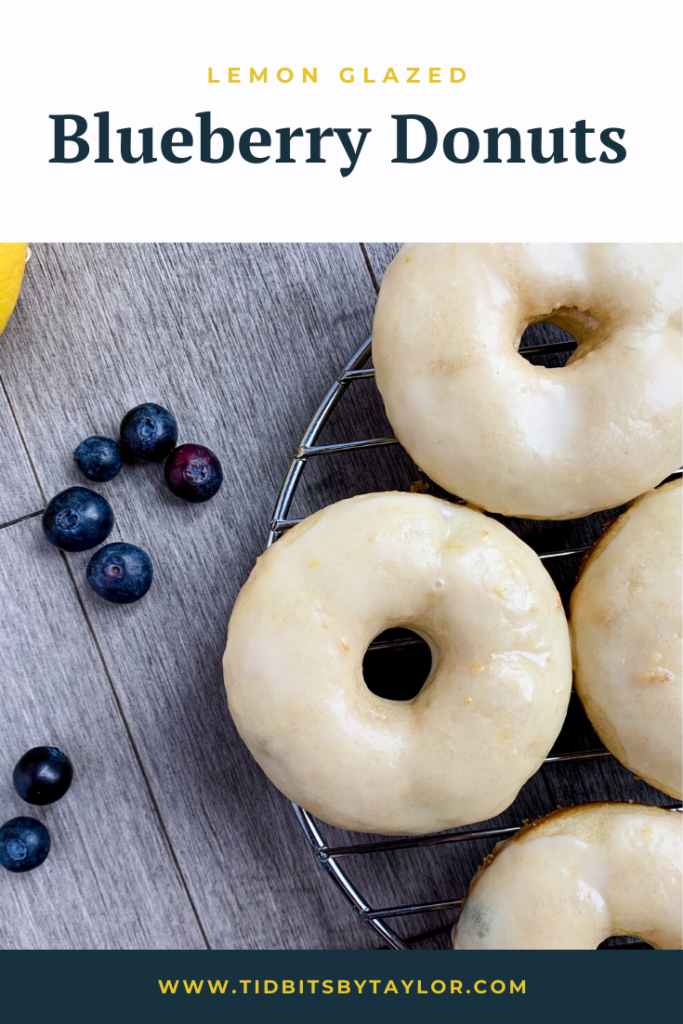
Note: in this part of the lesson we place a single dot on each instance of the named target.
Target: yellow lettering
(288, 987)
(280, 74)
(233, 74)
(255, 77)
(422, 991)
(514, 987)
(343, 72)
(313, 984)
(360, 985)
(269, 991)
(480, 991)
(374, 986)
(218, 986)
(369, 81)
(171, 986)
(495, 990)
(434, 74)
(412, 80)
(328, 987)
(462, 75)
(214, 81)
(346, 989)
(245, 985)
(390, 76)
(438, 991)
(390, 987)
(313, 75)
(407, 985)
(193, 987)
(456, 986)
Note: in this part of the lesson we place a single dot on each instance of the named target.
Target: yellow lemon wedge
(12, 263)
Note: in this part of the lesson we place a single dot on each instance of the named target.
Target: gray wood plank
(380, 255)
(603, 779)
(19, 494)
(109, 881)
(239, 342)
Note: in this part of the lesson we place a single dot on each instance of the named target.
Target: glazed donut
(490, 709)
(626, 629)
(526, 440)
(577, 877)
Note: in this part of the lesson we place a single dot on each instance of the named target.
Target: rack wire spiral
(330, 856)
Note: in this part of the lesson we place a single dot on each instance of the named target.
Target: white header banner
(303, 121)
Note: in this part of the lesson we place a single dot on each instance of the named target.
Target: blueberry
(77, 519)
(98, 458)
(42, 775)
(149, 432)
(193, 472)
(120, 573)
(24, 844)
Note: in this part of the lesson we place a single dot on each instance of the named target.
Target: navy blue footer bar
(332, 986)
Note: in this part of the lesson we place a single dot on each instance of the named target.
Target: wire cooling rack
(329, 856)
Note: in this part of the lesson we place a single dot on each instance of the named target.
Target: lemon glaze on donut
(524, 440)
(626, 613)
(490, 709)
(577, 877)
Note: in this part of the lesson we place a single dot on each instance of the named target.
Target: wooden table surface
(170, 836)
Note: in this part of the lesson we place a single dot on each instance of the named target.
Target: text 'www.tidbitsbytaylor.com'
(340, 986)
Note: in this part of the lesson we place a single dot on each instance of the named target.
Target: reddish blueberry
(77, 519)
(149, 432)
(193, 472)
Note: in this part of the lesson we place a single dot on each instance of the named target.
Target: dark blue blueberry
(149, 432)
(42, 775)
(98, 458)
(77, 519)
(193, 472)
(24, 844)
(120, 573)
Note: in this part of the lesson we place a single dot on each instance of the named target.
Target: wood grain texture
(380, 255)
(110, 880)
(19, 494)
(241, 342)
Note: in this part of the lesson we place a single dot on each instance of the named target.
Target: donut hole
(397, 664)
(555, 343)
(624, 942)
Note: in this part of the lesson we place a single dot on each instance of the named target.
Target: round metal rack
(331, 857)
